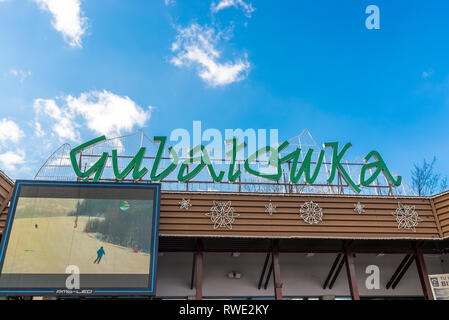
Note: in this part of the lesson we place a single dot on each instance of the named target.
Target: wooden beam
(398, 270)
(267, 258)
(350, 270)
(199, 270)
(337, 272)
(422, 272)
(276, 271)
(331, 272)
(402, 273)
(270, 271)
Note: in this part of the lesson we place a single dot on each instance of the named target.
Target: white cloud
(38, 131)
(10, 160)
(196, 45)
(9, 131)
(67, 19)
(169, 2)
(224, 4)
(107, 113)
(63, 120)
(20, 74)
(100, 111)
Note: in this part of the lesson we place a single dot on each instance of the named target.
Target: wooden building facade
(272, 225)
(343, 231)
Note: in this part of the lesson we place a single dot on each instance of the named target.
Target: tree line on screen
(129, 228)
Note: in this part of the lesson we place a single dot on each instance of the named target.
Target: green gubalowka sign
(198, 155)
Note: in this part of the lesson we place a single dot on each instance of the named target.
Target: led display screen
(80, 238)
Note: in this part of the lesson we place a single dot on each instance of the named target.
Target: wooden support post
(267, 258)
(350, 271)
(331, 272)
(199, 270)
(422, 272)
(276, 271)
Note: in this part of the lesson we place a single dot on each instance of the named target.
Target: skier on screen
(100, 254)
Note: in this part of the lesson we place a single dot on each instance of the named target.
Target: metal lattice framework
(58, 167)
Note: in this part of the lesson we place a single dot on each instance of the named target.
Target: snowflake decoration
(407, 217)
(185, 204)
(311, 213)
(270, 208)
(359, 208)
(222, 214)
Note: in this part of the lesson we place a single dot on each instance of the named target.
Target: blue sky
(68, 72)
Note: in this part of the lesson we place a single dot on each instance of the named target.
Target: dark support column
(398, 270)
(199, 270)
(276, 271)
(350, 270)
(267, 258)
(422, 271)
(331, 272)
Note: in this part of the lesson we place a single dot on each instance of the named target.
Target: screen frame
(151, 290)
